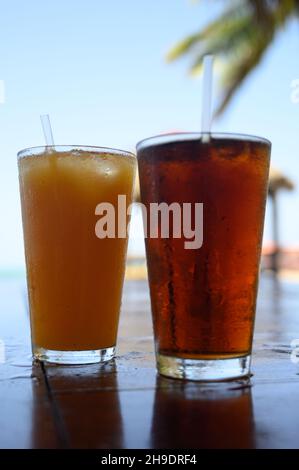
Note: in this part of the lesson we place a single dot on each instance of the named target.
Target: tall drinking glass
(74, 277)
(203, 293)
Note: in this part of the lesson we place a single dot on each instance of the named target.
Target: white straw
(207, 86)
(45, 120)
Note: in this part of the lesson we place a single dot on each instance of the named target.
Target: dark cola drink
(203, 296)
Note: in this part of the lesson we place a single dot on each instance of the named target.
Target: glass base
(204, 370)
(74, 357)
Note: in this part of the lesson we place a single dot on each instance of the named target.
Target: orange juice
(74, 278)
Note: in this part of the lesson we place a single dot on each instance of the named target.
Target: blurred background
(112, 73)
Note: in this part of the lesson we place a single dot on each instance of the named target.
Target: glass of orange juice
(74, 277)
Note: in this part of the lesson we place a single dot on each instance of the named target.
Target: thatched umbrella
(277, 181)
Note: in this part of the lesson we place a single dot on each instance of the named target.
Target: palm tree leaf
(238, 10)
(183, 46)
(241, 34)
(226, 42)
(237, 72)
(223, 23)
(244, 63)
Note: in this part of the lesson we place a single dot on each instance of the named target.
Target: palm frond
(236, 72)
(241, 34)
(221, 24)
(183, 46)
(226, 42)
(240, 68)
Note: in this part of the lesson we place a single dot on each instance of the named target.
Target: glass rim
(178, 136)
(41, 149)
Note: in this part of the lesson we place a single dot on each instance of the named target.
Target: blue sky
(98, 68)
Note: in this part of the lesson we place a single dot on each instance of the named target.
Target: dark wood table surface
(124, 404)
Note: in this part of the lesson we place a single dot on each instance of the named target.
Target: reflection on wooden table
(123, 404)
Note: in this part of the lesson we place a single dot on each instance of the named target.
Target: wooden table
(123, 404)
